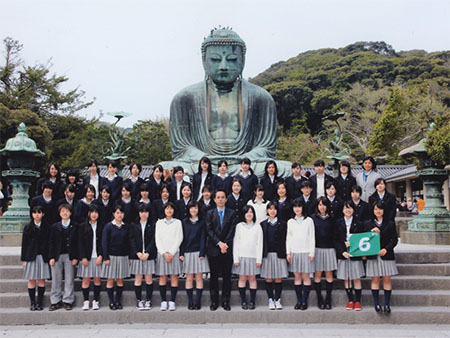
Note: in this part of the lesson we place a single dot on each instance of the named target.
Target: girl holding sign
(382, 265)
(350, 269)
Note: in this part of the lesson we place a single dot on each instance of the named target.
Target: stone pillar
(408, 193)
(446, 192)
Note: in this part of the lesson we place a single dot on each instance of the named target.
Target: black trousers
(220, 265)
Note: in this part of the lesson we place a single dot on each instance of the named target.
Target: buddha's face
(223, 64)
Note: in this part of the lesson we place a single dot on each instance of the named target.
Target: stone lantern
(20, 152)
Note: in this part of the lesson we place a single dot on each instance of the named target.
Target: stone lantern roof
(22, 143)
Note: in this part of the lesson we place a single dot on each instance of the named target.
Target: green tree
(438, 140)
(302, 148)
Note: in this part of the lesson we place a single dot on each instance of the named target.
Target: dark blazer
(248, 185)
(85, 236)
(217, 233)
(56, 241)
(105, 212)
(293, 186)
(285, 211)
(224, 184)
(64, 201)
(194, 237)
(135, 187)
(157, 210)
(80, 211)
(205, 208)
(58, 188)
(197, 181)
(116, 187)
(336, 207)
(173, 191)
(390, 204)
(181, 209)
(101, 183)
(51, 214)
(35, 242)
(362, 210)
(310, 206)
(341, 235)
(236, 206)
(136, 240)
(155, 189)
(388, 237)
(344, 187)
(280, 237)
(313, 180)
(269, 187)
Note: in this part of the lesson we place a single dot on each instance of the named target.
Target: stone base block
(10, 239)
(425, 237)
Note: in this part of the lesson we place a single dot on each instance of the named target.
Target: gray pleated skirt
(118, 268)
(348, 269)
(380, 267)
(325, 259)
(92, 270)
(165, 269)
(300, 263)
(247, 267)
(139, 267)
(274, 267)
(36, 269)
(193, 264)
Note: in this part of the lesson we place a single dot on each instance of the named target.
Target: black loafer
(378, 309)
(213, 306)
(118, 306)
(328, 306)
(67, 306)
(297, 306)
(55, 307)
(244, 306)
(387, 309)
(303, 306)
(112, 307)
(197, 307)
(191, 307)
(226, 306)
(39, 307)
(32, 307)
(251, 306)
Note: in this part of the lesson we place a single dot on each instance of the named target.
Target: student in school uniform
(294, 182)
(159, 204)
(366, 179)
(259, 204)
(309, 207)
(46, 201)
(220, 228)
(270, 180)
(193, 254)
(222, 180)
(362, 210)
(52, 174)
(300, 252)
(143, 197)
(94, 177)
(274, 266)
(156, 180)
(325, 253)
(34, 257)
(248, 179)
(181, 205)
(344, 181)
(284, 202)
(69, 196)
(127, 203)
(350, 269)
(319, 180)
(135, 181)
(63, 255)
(116, 249)
(143, 256)
(114, 181)
(168, 238)
(91, 258)
(175, 185)
(247, 255)
(382, 266)
(105, 206)
(72, 178)
(203, 177)
(389, 200)
(82, 206)
(335, 201)
(206, 203)
(236, 201)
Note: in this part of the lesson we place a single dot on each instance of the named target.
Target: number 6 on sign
(364, 244)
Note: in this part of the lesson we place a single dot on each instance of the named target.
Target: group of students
(219, 224)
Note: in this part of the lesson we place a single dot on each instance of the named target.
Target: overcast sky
(134, 56)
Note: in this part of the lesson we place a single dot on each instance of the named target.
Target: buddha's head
(223, 53)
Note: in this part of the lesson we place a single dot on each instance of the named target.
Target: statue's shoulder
(257, 91)
(191, 91)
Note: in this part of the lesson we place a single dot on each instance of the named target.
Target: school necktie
(221, 218)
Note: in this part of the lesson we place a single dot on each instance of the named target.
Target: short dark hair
(306, 184)
(325, 201)
(168, 204)
(295, 165)
(65, 206)
(118, 206)
(267, 166)
(222, 162)
(127, 186)
(94, 162)
(246, 160)
(272, 204)
(138, 165)
(319, 163)
(371, 159)
(47, 171)
(246, 208)
(113, 164)
(220, 190)
(378, 181)
(177, 169)
(379, 205)
(143, 207)
(207, 187)
(329, 185)
(89, 187)
(48, 185)
(298, 202)
(348, 204)
(192, 204)
(357, 188)
(107, 188)
(71, 188)
(38, 208)
(144, 187)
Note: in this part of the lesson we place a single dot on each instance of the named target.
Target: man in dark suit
(220, 227)
(319, 180)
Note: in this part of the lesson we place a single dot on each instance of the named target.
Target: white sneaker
(271, 304)
(148, 305)
(95, 305)
(164, 306)
(278, 304)
(140, 305)
(172, 306)
(85, 305)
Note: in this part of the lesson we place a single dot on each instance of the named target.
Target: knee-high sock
(358, 295)
(298, 292)
(110, 292)
(387, 297)
(376, 298)
(190, 294)
(41, 291)
(242, 294)
(85, 293)
(349, 293)
(119, 290)
(162, 292)
(329, 288)
(198, 296)
(97, 289)
(32, 295)
(318, 288)
(305, 296)
(269, 290)
(173, 293)
(149, 291)
(278, 289)
(252, 295)
(138, 292)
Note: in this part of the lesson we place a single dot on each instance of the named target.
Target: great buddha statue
(224, 116)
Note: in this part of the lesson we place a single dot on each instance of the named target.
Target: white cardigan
(168, 236)
(248, 242)
(300, 236)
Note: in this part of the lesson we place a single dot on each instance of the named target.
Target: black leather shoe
(378, 309)
(297, 306)
(213, 306)
(54, 307)
(118, 306)
(320, 304)
(328, 305)
(387, 309)
(112, 307)
(251, 306)
(244, 306)
(67, 306)
(303, 306)
(226, 306)
(197, 307)
(33, 307)
(191, 307)
(39, 307)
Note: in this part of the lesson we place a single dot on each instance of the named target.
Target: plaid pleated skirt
(139, 267)
(380, 267)
(325, 259)
(300, 263)
(193, 264)
(36, 269)
(247, 267)
(92, 270)
(274, 267)
(117, 268)
(348, 269)
(165, 269)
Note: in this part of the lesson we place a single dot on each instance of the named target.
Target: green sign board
(364, 244)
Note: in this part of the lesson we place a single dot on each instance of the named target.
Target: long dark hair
(325, 201)
(346, 163)
(266, 174)
(206, 160)
(47, 171)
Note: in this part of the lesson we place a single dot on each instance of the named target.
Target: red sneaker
(358, 306)
(349, 306)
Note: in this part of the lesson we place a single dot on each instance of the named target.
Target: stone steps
(442, 269)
